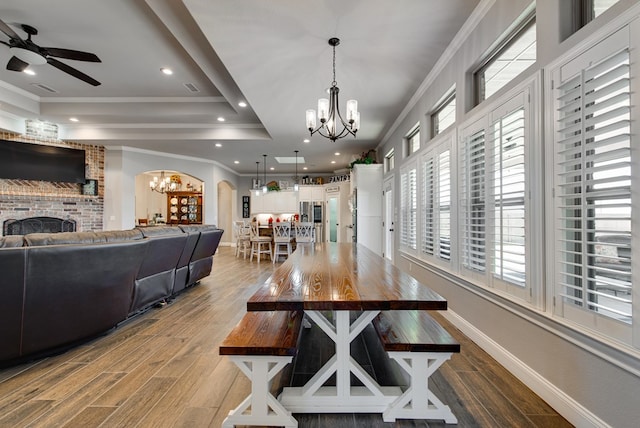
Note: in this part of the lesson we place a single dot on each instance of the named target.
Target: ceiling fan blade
(72, 71)
(16, 64)
(9, 31)
(71, 54)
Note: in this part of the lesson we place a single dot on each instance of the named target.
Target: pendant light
(264, 186)
(332, 125)
(257, 179)
(295, 179)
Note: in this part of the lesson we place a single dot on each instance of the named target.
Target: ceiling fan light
(30, 57)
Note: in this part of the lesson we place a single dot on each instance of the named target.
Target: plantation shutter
(593, 195)
(473, 214)
(428, 199)
(444, 205)
(508, 197)
(409, 208)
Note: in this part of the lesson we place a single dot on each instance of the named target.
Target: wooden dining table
(341, 287)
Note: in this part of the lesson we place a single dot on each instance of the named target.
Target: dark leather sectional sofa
(57, 289)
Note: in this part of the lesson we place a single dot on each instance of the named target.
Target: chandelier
(163, 184)
(332, 125)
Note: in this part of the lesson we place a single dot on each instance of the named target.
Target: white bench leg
(418, 402)
(260, 407)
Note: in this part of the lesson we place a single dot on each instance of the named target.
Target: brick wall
(30, 198)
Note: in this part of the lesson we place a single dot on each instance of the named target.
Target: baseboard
(570, 409)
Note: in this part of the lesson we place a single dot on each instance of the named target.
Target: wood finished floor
(162, 369)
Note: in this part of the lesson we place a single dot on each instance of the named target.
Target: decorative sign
(339, 178)
(245, 207)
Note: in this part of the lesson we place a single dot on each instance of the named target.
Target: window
(408, 207)
(413, 140)
(389, 161)
(593, 162)
(444, 115)
(493, 204)
(472, 202)
(508, 198)
(512, 57)
(588, 10)
(436, 202)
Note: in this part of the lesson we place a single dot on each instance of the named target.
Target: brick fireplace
(21, 199)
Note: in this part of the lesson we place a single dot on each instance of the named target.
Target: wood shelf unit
(184, 207)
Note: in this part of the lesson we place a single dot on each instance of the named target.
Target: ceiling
(273, 55)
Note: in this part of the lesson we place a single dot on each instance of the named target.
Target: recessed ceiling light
(236, 162)
(242, 104)
(73, 119)
(305, 168)
(29, 71)
(167, 71)
(221, 119)
(271, 168)
(306, 140)
(333, 161)
(218, 145)
(337, 153)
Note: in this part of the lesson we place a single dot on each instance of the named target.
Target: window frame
(560, 73)
(389, 160)
(445, 143)
(443, 104)
(410, 147)
(502, 45)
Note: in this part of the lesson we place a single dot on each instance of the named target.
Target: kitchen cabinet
(311, 193)
(284, 201)
(184, 207)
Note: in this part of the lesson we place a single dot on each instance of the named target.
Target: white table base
(342, 398)
(417, 402)
(260, 407)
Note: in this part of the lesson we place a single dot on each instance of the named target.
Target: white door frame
(389, 213)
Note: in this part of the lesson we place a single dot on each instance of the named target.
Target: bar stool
(243, 238)
(281, 238)
(259, 244)
(305, 232)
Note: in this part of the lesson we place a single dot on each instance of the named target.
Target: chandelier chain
(334, 83)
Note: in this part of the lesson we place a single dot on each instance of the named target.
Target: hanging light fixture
(329, 111)
(256, 187)
(264, 186)
(163, 184)
(295, 179)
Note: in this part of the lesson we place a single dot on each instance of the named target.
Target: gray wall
(591, 382)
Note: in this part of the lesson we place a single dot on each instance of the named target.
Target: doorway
(333, 218)
(225, 210)
(389, 219)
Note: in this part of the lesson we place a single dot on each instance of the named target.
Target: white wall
(590, 381)
(123, 164)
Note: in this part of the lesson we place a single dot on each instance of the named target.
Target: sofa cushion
(66, 238)
(11, 241)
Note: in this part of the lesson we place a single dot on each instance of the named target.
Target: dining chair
(305, 232)
(281, 240)
(242, 234)
(259, 244)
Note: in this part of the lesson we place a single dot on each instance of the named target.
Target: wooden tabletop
(332, 276)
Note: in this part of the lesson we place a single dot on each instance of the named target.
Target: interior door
(333, 218)
(388, 219)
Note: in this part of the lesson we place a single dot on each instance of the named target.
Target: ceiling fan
(26, 52)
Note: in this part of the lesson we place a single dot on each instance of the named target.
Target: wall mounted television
(37, 162)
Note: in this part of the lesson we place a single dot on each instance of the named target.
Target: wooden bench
(419, 345)
(261, 345)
